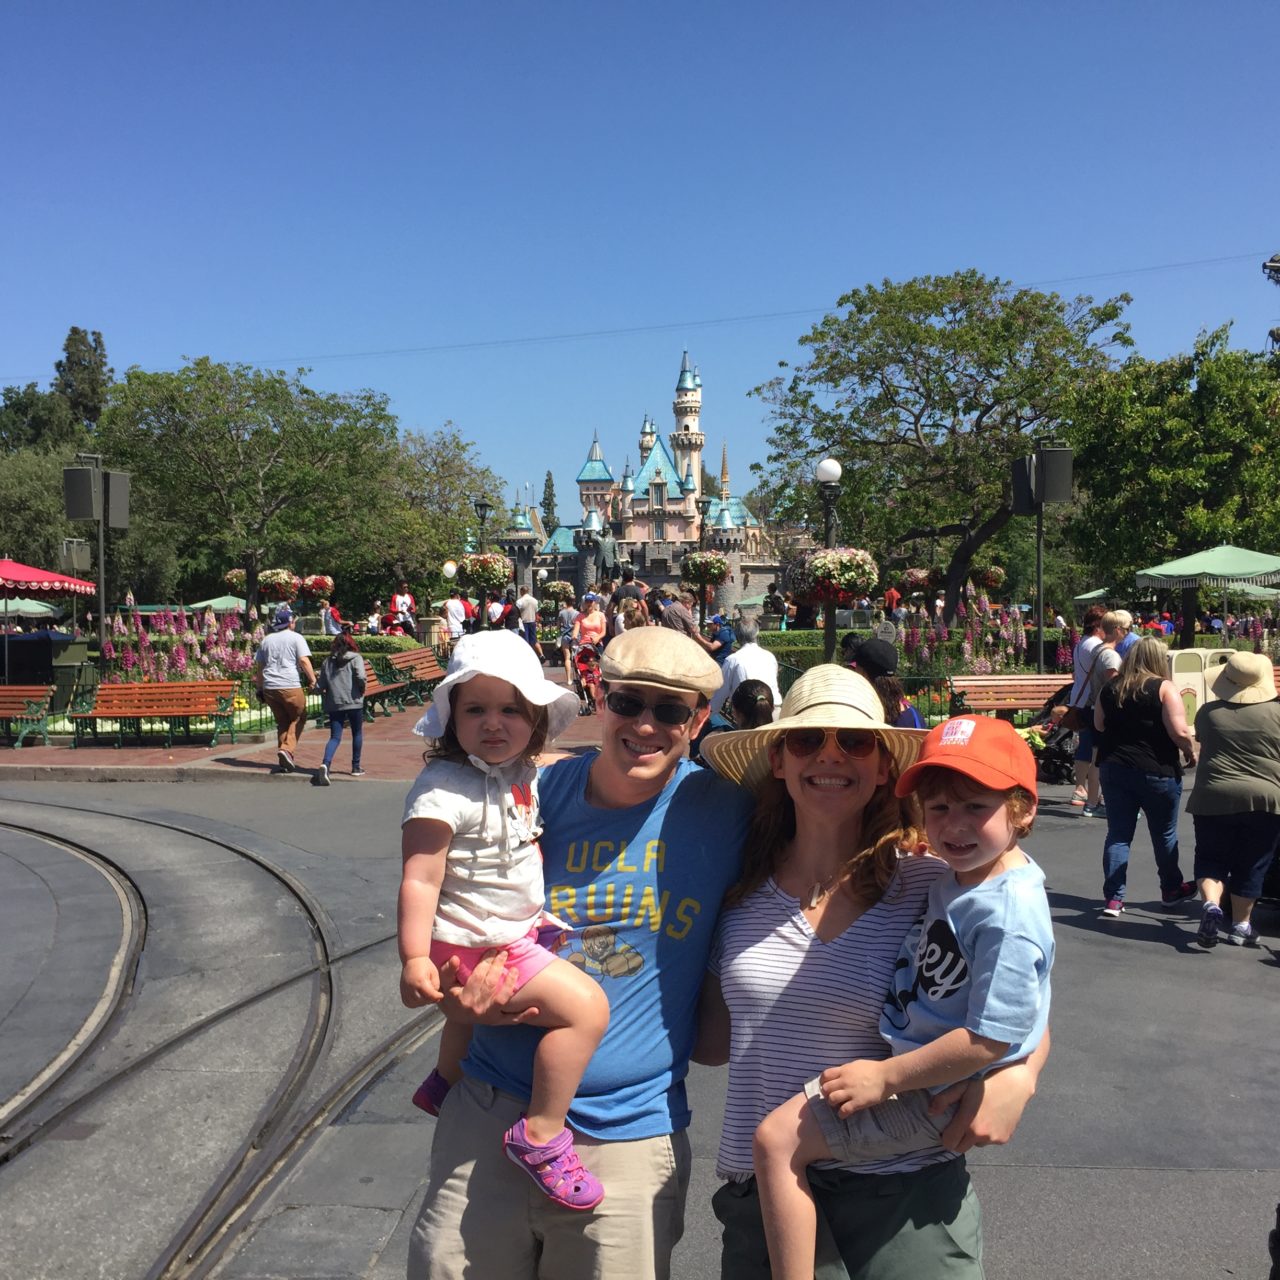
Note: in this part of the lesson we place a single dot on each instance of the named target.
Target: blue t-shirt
(641, 890)
(979, 959)
(725, 634)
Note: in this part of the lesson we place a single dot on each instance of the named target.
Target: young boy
(971, 990)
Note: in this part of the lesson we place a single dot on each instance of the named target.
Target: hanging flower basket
(486, 571)
(279, 584)
(558, 590)
(838, 576)
(992, 577)
(236, 579)
(709, 568)
(916, 580)
(318, 586)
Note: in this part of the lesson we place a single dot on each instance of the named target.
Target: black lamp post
(827, 475)
(482, 508)
(704, 507)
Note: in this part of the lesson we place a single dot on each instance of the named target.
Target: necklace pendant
(816, 894)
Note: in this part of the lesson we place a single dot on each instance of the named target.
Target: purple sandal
(562, 1177)
(431, 1093)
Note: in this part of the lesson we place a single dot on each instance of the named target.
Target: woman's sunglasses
(853, 742)
(668, 713)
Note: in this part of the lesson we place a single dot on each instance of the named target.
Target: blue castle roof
(659, 460)
(687, 381)
(595, 467)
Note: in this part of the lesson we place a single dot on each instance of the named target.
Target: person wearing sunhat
(639, 847)
(809, 943)
(1235, 802)
(281, 668)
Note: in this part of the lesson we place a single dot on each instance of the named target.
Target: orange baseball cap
(987, 750)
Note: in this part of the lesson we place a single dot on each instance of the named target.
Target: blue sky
(427, 198)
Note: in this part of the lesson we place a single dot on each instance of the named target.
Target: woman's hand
(854, 1086)
(420, 983)
(482, 999)
(990, 1109)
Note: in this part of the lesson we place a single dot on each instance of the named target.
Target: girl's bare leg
(576, 1012)
(454, 1042)
(786, 1143)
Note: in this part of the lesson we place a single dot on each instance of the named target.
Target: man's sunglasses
(628, 707)
(853, 742)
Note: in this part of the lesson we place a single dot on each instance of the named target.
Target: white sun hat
(504, 655)
(825, 697)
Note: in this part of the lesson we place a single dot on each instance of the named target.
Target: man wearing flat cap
(639, 847)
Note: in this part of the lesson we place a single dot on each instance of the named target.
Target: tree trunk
(1190, 607)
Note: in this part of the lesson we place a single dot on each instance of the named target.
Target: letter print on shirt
(940, 970)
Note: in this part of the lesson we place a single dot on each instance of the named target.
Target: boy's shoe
(431, 1093)
(555, 1167)
(285, 760)
(1210, 923)
(1114, 908)
(1094, 811)
(321, 776)
(1243, 935)
(357, 773)
(1171, 897)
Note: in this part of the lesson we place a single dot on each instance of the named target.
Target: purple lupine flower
(117, 625)
(128, 599)
(108, 650)
(128, 658)
(961, 611)
(178, 658)
(984, 605)
(966, 650)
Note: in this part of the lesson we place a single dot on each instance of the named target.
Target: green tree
(254, 466)
(83, 375)
(550, 520)
(31, 418)
(926, 391)
(1176, 456)
(33, 520)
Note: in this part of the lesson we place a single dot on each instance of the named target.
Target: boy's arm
(954, 1056)
(991, 1108)
(424, 844)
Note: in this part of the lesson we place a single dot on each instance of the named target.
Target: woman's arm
(712, 1045)
(424, 845)
(990, 1109)
(1174, 715)
(1099, 720)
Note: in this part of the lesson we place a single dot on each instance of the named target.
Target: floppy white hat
(1246, 678)
(825, 697)
(504, 655)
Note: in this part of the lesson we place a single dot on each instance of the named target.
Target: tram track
(309, 1084)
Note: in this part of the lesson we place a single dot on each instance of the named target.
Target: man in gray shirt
(281, 667)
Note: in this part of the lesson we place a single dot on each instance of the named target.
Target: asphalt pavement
(1151, 1150)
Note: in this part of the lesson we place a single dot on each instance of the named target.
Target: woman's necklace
(820, 892)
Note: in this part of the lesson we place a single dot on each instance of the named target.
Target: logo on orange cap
(989, 751)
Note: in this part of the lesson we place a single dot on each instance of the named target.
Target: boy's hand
(854, 1086)
(420, 983)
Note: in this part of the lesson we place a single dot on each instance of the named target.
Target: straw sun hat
(825, 697)
(1246, 678)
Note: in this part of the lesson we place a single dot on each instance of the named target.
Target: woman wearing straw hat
(806, 952)
(1235, 803)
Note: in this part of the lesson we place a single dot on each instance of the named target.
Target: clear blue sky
(464, 184)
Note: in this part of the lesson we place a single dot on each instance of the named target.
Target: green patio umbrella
(221, 604)
(1226, 567)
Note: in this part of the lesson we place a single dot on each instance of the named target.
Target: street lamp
(482, 507)
(704, 508)
(827, 473)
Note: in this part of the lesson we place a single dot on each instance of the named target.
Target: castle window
(658, 495)
(659, 531)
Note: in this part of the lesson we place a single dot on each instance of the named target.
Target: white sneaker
(321, 778)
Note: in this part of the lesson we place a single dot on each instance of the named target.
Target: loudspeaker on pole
(1024, 486)
(82, 492)
(1053, 473)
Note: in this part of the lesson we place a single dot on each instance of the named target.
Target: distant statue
(607, 566)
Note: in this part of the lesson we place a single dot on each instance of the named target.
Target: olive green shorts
(889, 1226)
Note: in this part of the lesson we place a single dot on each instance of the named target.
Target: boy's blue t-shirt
(641, 890)
(979, 959)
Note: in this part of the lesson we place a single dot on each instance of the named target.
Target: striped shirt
(799, 1005)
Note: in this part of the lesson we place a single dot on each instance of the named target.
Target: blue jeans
(1129, 792)
(336, 720)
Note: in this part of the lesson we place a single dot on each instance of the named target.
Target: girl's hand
(420, 983)
(854, 1086)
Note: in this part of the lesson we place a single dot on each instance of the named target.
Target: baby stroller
(586, 677)
(1055, 761)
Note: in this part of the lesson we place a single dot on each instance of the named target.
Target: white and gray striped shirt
(799, 1005)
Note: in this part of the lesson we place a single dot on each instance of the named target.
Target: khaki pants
(483, 1217)
(289, 706)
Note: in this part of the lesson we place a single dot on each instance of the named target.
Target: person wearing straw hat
(808, 946)
(1235, 803)
(639, 847)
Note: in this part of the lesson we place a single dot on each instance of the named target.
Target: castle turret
(687, 439)
(595, 480)
(648, 438)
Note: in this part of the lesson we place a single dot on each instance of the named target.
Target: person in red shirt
(891, 599)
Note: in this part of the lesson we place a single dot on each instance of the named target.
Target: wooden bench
(1004, 695)
(176, 702)
(420, 669)
(27, 706)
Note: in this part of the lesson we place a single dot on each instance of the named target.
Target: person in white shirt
(748, 661)
(454, 615)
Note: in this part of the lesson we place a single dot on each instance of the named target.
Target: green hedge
(384, 644)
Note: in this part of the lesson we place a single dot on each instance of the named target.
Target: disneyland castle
(655, 514)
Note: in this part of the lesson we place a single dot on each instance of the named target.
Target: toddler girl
(472, 882)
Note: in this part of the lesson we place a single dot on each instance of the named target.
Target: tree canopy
(82, 375)
(1177, 456)
(925, 391)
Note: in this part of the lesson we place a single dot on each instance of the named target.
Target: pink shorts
(524, 955)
